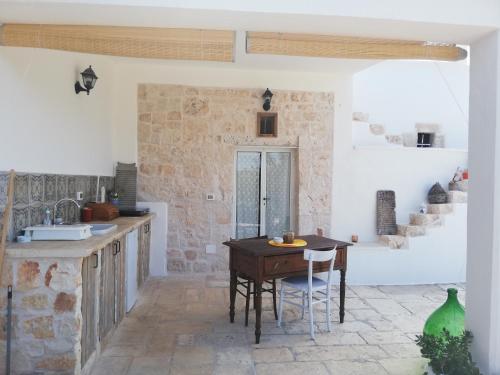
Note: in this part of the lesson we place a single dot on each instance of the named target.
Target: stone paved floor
(180, 326)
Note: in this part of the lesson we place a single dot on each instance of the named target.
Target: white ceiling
(319, 16)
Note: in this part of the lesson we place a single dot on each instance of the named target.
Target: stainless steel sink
(101, 229)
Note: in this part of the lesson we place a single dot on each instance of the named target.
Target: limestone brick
(36, 301)
(57, 363)
(411, 230)
(7, 274)
(457, 196)
(64, 302)
(377, 129)
(394, 138)
(431, 220)
(28, 275)
(422, 127)
(360, 116)
(443, 208)
(40, 327)
(64, 276)
(394, 241)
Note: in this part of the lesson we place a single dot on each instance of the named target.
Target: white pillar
(483, 229)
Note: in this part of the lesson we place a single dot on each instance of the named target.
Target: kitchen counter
(69, 296)
(75, 249)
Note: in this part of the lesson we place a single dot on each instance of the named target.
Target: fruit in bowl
(278, 239)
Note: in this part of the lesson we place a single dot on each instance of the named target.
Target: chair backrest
(320, 256)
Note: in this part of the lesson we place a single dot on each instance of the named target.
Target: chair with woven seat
(249, 287)
(306, 286)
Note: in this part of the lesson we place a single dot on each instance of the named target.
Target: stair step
(411, 230)
(457, 196)
(361, 116)
(445, 208)
(377, 129)
(393, 241)
(428, 220)
(459, 186)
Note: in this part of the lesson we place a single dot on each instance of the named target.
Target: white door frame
(263, 150)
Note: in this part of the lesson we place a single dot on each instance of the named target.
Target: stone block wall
(187, 139)
(47, 315)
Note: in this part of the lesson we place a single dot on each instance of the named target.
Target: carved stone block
(386, 214)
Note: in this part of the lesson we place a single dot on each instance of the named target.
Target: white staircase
(420, 223)
(431, 248)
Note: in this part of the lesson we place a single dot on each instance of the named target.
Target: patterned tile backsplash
(34, 193)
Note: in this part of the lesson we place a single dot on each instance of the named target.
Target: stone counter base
(46, 322)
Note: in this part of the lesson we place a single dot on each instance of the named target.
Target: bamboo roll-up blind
(349, 47)
(142, 42)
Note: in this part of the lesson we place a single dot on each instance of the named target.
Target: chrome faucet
(63, 200)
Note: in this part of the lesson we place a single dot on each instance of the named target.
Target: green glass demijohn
(451, 315)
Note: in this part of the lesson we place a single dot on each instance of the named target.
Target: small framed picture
(267, 124)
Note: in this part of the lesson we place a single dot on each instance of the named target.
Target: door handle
(96, 260)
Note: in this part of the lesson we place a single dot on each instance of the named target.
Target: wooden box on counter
(103, 211)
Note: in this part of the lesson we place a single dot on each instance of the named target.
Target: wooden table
(261, 261)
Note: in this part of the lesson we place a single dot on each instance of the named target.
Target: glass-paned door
(248, 171)
(277, 199)
(263, 193)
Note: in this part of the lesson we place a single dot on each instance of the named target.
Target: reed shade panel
(349, 47)
(141, 42)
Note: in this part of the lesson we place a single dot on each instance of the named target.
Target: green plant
(447, 354)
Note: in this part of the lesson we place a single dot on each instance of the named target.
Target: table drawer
(291, 263)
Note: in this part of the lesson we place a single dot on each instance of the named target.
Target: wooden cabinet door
(140, 257)
(144, 253)
(147, 248)
(89, 306)
(107, 292)
(119, 274)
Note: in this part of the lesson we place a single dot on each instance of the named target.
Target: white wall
(129, 73)
(410, 172)
(399, 94)
(44, 126)
(483, 256)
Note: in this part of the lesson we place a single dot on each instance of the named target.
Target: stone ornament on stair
(437, 194)
(386, 214)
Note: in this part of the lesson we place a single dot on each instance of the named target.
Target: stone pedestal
(47, 318)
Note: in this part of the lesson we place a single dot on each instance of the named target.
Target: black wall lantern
(267, 100)
(88, 78)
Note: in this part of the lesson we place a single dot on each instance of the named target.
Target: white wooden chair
(308, 285)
